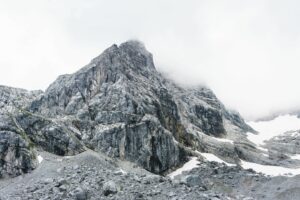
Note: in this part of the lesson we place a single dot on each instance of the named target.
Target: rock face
(17, 153)
(283, 146)
(120, 105)
(17, 156)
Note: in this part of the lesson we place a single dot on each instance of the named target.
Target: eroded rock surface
(288, 143)
(17, 152)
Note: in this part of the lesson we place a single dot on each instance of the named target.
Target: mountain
(119, 129)
(119, 104)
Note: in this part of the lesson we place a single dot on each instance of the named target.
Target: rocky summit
(119, 109)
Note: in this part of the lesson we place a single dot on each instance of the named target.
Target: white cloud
(246, 51)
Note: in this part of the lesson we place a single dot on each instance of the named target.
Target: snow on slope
(295, 157)
(265, 169)
(40, 158)
(191, 164)
(224, 140)
(268, 130)
(270, 170)
(275, 127)
(212, 158)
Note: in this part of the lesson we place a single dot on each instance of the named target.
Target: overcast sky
(248, 52)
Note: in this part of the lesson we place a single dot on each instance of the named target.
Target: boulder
(109, 188)
(17, 156)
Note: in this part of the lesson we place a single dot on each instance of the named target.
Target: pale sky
(248, 52)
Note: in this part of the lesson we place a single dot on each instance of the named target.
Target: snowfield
(265, 169)
(273, 128)
(270, 170)
(268, 130)
(193, 163)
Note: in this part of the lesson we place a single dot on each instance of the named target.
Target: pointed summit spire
(138, 53)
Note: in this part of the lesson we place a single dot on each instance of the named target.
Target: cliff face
(17, 154)
(120, 105)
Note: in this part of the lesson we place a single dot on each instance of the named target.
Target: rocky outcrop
(16, 155)
(12, 99)
(22, 132)
(289, 143)
(17, 152)
(120, 105)
(146, 143)
(50, 134)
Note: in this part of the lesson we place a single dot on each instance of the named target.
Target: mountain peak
(120, 105)
(132, 53)
(134, 45)
(137, 53)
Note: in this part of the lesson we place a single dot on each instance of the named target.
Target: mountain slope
(280, 139)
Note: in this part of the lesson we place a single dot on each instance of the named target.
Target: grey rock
(47, 181)
(80, 194)
(193, 180)
(62, 188)
(62, 181)
(50, 135)
(288, 143)
(109, 188)
(17, 156)
(17, 152)
(213, 184)
(282, 147)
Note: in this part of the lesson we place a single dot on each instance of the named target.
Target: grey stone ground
(91, 175)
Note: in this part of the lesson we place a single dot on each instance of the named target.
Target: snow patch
(270, 170)
(121, 171)
(40, 159)
(273, 128)
(212, 158)
(295, 157)
(191, 164)
(224, 140)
